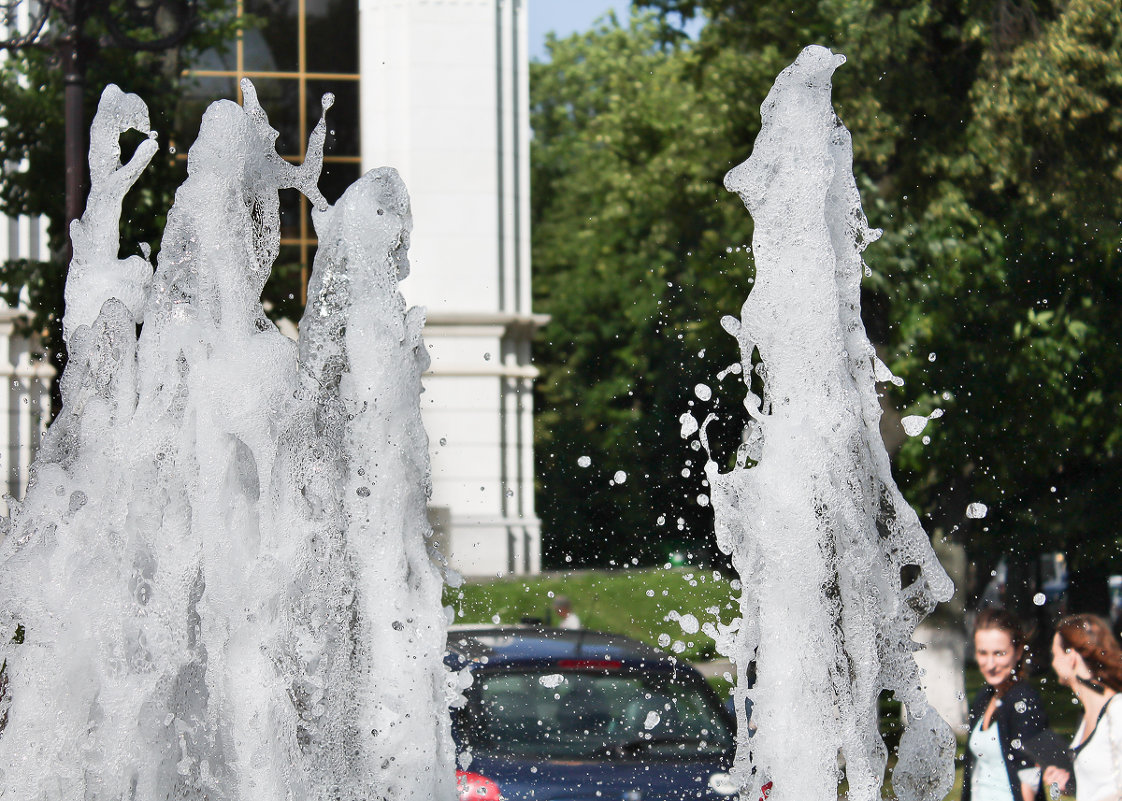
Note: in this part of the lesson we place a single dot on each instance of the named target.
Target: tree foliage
(32, 139)
(986, 145)
(629, 259)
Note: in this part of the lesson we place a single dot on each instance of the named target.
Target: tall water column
(835, 569)
(219, 585)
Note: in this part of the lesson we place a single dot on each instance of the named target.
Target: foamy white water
(221, 570)
(835, 569)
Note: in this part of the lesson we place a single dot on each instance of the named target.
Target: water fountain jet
(221, 571)
(835, 568)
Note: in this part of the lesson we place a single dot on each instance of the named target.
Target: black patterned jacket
(1019, 716)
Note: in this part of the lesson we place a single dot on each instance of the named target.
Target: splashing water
(835, 568)
(219, 582)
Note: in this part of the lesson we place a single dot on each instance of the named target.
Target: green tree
(985, 142)
(1020, 236)
(630, 259)
(32, 139)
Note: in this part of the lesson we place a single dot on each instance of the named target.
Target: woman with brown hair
(1006, 713)
(1087, 658)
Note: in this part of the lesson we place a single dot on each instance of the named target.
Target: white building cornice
(472, 371)
(483, 324)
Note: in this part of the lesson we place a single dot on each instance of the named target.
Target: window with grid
(294, 51)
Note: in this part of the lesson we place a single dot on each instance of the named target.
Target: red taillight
(473, 787)
(588, 664)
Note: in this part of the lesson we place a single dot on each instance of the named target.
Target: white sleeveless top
(989, 780)
(1098, 762)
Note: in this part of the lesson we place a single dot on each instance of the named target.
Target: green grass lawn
(632, 602)
(636, 602)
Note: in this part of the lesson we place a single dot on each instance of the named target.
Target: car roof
(534, 645)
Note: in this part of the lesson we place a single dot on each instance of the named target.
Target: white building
(439, 90)
(445, 98)
(25, 372)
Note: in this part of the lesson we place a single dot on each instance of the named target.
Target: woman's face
(1062, 662)
(993, 648)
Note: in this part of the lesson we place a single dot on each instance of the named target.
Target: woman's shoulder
(981, 698)
(1114, 708)
(1110, 721)
(985, 693)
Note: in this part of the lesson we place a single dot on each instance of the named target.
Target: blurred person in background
(1005, 714)
(566, 617)
(1087, 658)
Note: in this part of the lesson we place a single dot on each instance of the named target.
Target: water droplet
(703, 392)
(443, 441)
(976, 511)
(486, 357)
(914, 424)
(703, 499)
(584, 461)
(652, 720)
(663, 640)
(363, 492)
(1039, 599)
(931, 357)
(619, 477)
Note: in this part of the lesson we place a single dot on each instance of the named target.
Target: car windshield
(592, 715)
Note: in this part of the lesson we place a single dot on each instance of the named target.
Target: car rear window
(567, 714)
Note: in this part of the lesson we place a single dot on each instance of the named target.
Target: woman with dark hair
(1087, 658)
(1005, 714)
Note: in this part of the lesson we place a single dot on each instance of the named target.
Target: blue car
(562, 715)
